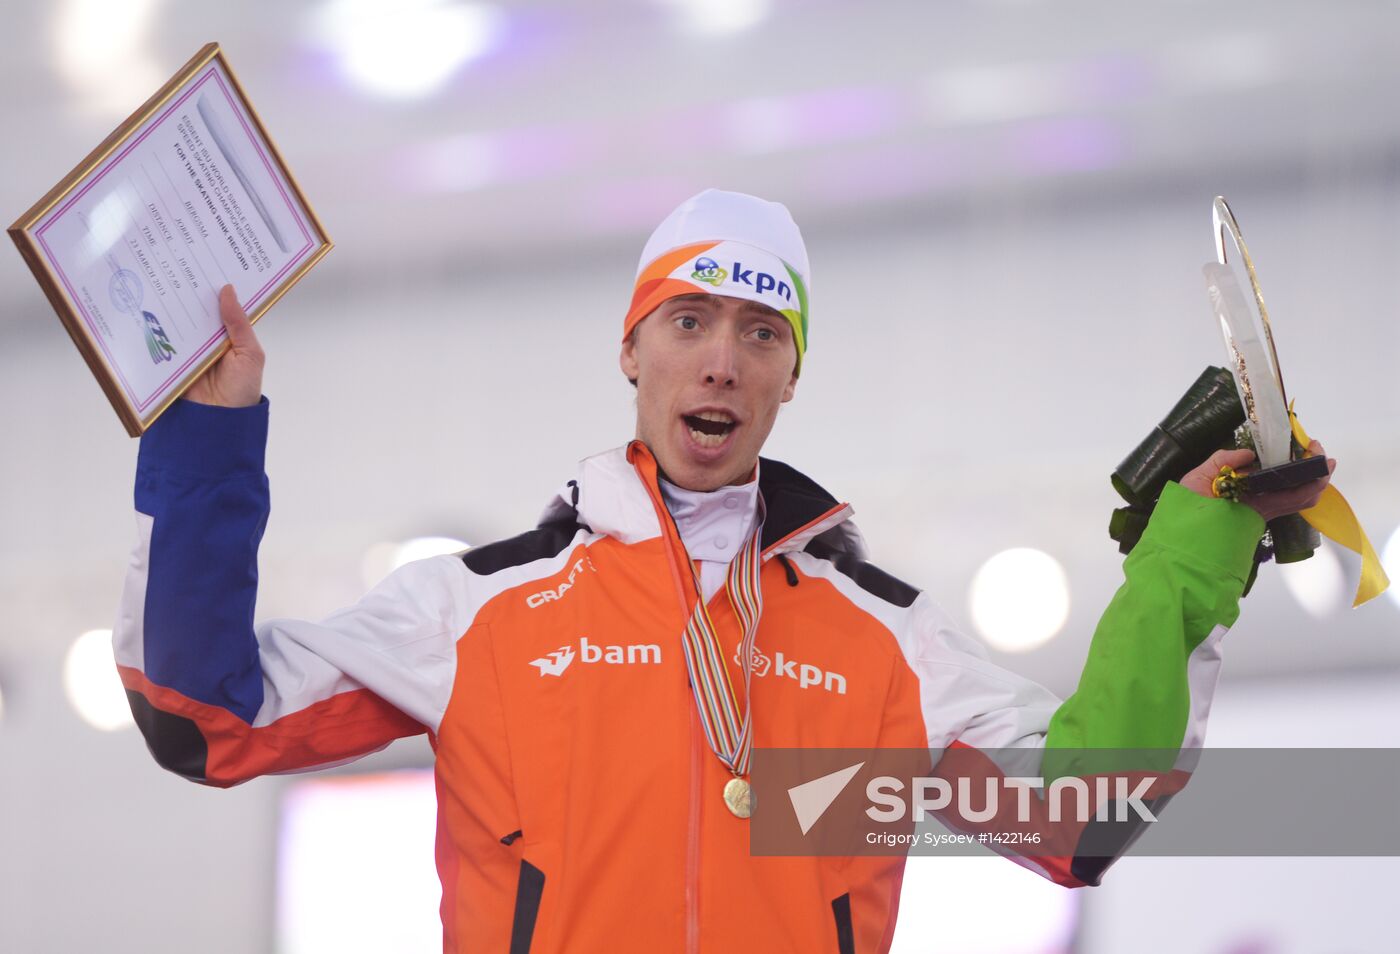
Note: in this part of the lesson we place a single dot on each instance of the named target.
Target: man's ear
(627, 359)
(790, 389)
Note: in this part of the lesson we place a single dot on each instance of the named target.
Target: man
(589, 692)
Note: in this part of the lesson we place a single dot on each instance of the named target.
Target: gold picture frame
(214, 207)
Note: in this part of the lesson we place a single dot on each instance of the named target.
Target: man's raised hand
(1270, 505)
(235, 380)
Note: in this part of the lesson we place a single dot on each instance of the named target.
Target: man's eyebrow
(758, 307)
(697, 298)
(746, 305)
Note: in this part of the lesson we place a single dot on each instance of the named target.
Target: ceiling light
(379, 873)
(409, 47)
(982, 890)
(719, 17)
(1390, 560)
(90, 679)
(1019, 599)
(420, 548)
(1316, 583)
(384, 558)
(100, 49)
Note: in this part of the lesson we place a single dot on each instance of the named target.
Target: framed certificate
(132, 246)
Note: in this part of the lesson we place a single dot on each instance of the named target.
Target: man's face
(711, 372)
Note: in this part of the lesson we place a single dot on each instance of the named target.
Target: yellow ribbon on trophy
(1334, 519)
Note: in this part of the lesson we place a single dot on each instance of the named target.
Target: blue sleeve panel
(200, 477)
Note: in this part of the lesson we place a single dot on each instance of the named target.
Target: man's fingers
(1231, 458)
(236, 323)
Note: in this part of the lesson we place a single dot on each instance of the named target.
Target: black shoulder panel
(792, 498)
(867, 576)
(174, 741)
(546, 540)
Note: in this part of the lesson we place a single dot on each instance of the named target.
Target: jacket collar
(613, 495)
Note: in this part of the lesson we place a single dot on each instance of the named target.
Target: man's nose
(721, 365)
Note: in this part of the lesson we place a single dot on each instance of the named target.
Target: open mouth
(709, 428)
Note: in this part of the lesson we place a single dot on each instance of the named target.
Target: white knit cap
(726, 243)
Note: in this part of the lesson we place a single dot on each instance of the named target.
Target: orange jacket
(602, 800)
(580, 807)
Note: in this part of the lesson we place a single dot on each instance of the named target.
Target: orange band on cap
(654, 287)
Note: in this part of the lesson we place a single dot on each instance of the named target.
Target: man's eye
(688, 322)
(766, 334)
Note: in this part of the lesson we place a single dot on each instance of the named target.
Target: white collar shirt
(713, 525)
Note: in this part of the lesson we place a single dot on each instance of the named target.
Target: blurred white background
(1007, 204)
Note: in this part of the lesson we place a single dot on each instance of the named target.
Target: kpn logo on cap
(707, 270)
(726, 243)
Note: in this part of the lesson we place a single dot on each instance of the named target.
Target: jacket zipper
(692, 851)
(692, 845)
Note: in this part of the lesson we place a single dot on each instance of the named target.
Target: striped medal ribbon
(730, 735)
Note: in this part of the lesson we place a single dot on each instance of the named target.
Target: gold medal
(738, 797)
